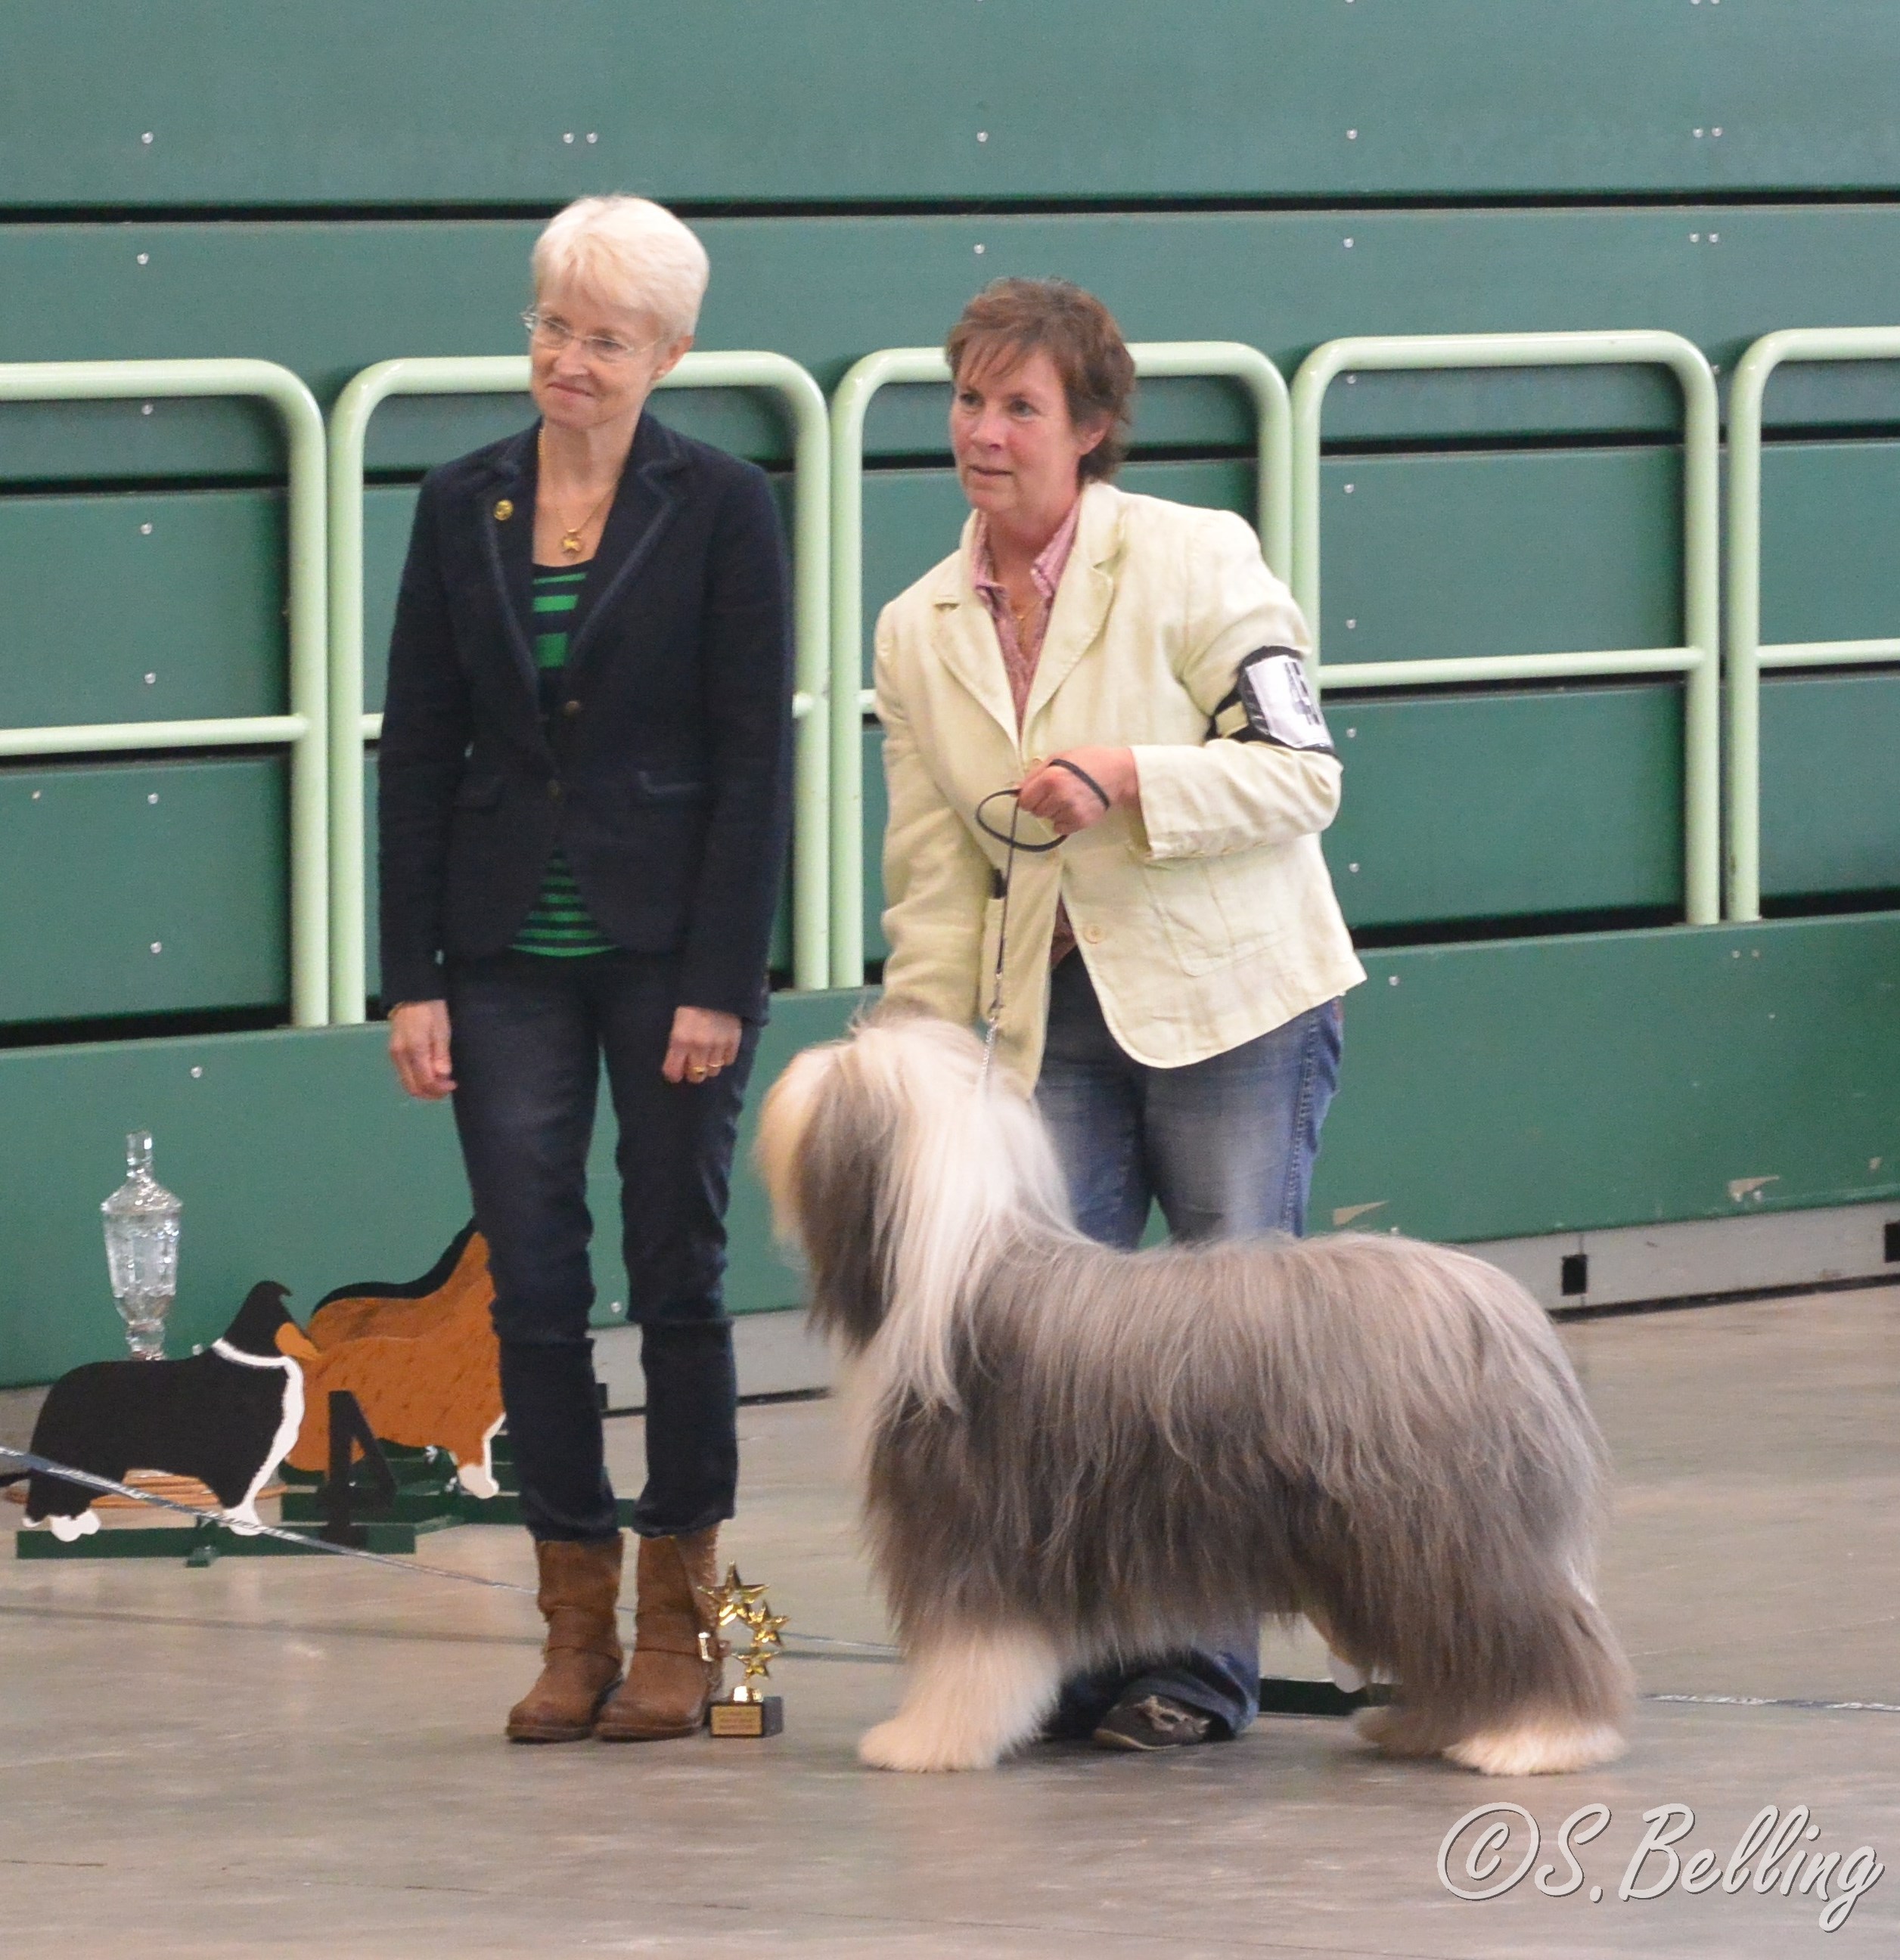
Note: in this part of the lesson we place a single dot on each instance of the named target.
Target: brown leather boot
(581, 1662)
(676, 1669)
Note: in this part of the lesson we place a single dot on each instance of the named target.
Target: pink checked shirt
(1022, 650)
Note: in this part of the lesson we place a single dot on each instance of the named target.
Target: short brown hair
(1013, 318)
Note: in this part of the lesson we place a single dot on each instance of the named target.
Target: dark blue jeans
(528, 1036)
(1226, 1147)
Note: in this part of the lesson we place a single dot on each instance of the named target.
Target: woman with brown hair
(1171, 979)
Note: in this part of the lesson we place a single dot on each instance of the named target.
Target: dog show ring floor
(303, 1756)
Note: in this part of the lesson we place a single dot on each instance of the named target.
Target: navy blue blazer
(664, 774)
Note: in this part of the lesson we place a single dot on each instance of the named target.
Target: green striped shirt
(559, 926)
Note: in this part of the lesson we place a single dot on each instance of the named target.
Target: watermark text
(1491, 1850)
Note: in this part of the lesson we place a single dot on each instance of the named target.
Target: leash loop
(1005, 878)
(1082, 776)
(1009, 837)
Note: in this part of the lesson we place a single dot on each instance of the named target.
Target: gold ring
(697, 1072)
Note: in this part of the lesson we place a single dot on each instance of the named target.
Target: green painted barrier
(1696, 658)
(1747, 656)
(302, 730)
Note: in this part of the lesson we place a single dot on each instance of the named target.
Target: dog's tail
(1544, 1687)
(1464, 1474)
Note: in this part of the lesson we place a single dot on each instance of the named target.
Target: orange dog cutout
(422, 1361)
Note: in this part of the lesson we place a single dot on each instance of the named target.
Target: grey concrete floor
(299, 1756)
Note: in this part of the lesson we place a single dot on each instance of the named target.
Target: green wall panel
(912, 519)
(1830, 812)
(143, 608)
(1831, 821)
(297, 1158)
(328, 298)
(1561, 551)
(139, 888)
(1830, 513)
(372, 886)
(480, 101)
(1500, 805)
(388, 512)
(1574, 1084)
(877, 813)
(1490, 1091)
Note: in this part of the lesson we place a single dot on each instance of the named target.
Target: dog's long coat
(1072, 1453)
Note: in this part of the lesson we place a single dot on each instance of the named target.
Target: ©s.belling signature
(1491, 1849)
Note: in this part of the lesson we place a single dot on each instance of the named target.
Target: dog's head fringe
(901, 1173)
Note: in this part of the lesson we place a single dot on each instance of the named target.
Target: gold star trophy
(748, 1710)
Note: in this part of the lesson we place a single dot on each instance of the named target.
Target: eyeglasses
(555, 334)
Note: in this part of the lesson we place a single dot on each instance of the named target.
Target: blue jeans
(527, 1037)
(1226, 1147)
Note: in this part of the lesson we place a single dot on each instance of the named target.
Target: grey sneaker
(1154, 1722)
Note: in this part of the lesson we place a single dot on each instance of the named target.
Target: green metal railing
(349, 726)
(326, 727)
(1154, 360)
(1696, 659)
(1746, 654)
(302, 730)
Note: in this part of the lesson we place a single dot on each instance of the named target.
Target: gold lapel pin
(503, 512)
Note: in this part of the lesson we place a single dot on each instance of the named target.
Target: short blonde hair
(628, 252)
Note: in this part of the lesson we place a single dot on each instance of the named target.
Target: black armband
(1270, 702)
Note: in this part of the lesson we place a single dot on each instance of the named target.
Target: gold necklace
(571, 534)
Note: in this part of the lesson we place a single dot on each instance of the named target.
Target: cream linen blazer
(1206, 919)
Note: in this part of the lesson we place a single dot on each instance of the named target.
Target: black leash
(1303, 1700)
(27, 1460)
(87, 1480)
(1005, 879)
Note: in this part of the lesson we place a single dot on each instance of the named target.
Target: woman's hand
(704, 1042)
(1066, 803)
(418, 1046)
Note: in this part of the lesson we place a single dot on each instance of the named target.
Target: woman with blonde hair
(1128, 672)
(583, 801)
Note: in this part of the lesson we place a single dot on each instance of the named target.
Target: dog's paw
(1546, 1746)
(243, 1518)
(1397, 1731)
(902, 1744)
(476, 1481)
(69, 1531)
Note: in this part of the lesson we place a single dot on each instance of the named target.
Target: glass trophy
(142, 1250)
